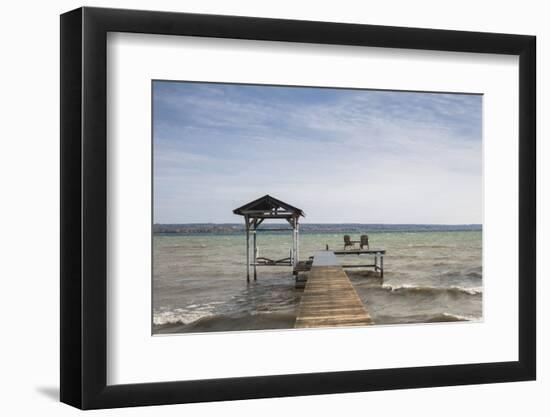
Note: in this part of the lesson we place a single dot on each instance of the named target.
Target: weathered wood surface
(302, 266)
(329, 299)
(325, 258)
(360, 252)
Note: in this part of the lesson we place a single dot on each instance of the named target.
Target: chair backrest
(347, 239)
(364, 239)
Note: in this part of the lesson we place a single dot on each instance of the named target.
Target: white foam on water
(469, 291)
(461, 317)
(179, 315)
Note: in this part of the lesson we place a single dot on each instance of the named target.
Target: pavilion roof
(268, 207)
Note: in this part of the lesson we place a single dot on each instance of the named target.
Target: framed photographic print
(258, 207)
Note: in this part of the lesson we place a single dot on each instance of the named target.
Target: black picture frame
(84, 207)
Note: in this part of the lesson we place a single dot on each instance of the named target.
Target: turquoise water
(199, 281)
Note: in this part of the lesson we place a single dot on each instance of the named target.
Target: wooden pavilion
(254, 214)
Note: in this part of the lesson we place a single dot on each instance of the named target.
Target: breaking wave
(218, 322)
(433, 290)
(177, 316)
(424, 318)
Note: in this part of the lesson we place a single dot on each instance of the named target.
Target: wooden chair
(349, 243)
(364, 241)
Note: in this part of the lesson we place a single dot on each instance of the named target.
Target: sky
(341, 155)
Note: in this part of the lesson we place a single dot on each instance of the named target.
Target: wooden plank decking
(360, 252)
(329, 299)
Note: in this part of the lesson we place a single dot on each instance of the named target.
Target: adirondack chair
(364, 241)
(349, 243)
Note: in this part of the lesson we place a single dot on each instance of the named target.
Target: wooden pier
(329, 299)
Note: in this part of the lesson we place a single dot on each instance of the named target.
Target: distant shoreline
(231, 228)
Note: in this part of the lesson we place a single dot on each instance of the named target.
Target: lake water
(199, 280)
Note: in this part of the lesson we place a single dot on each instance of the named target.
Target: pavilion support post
(255, 249)
(297, 242)
(294, 242)
(247, 249)
(293, 245)
(382, 266)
